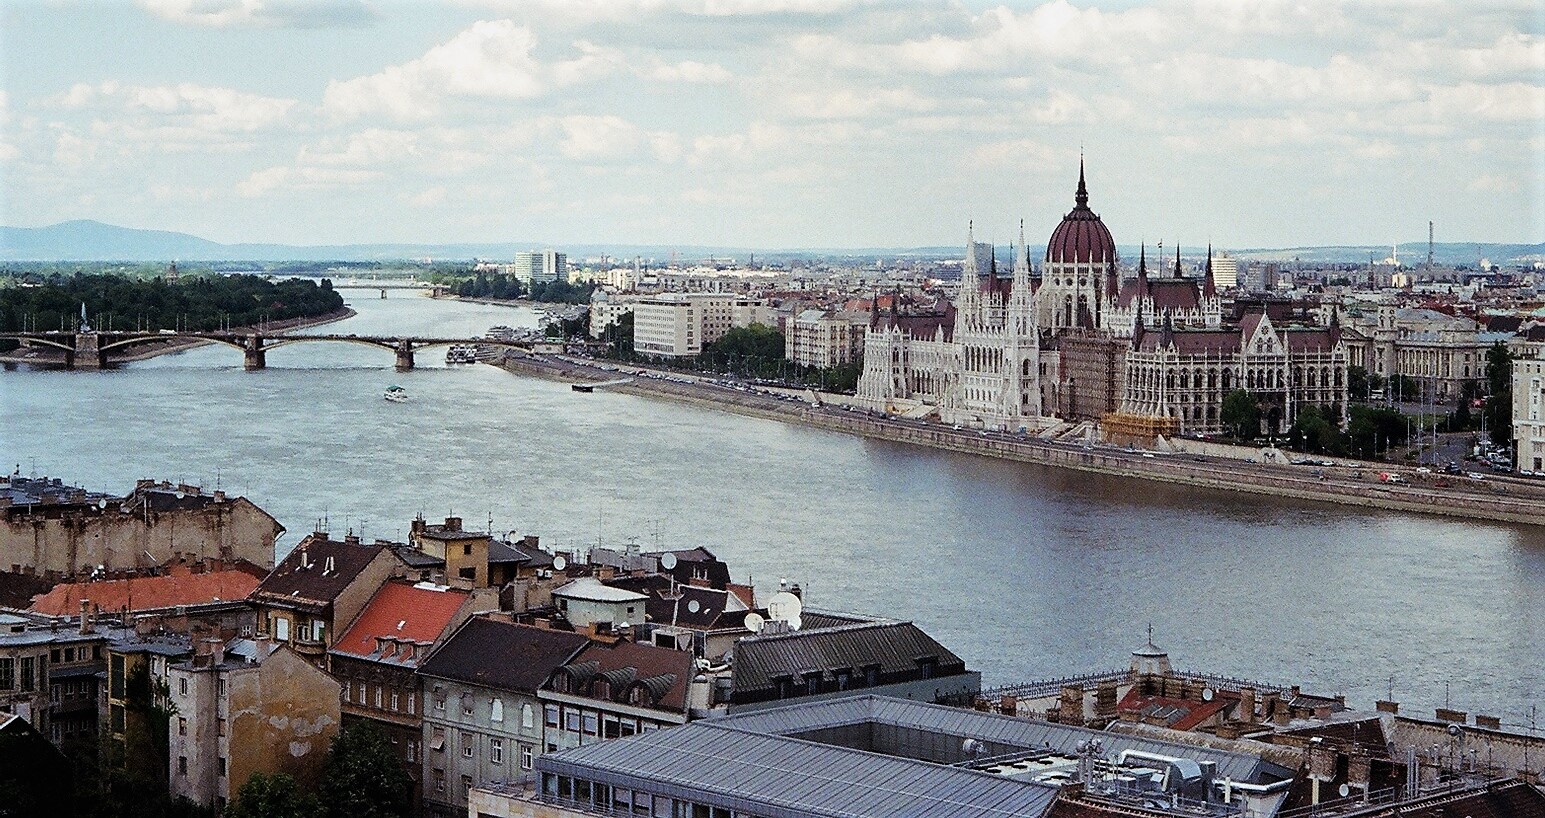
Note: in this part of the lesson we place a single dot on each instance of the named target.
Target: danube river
(1026, 572)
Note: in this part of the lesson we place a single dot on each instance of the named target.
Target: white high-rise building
(1225, 271)
(541, 266)
(679, 325)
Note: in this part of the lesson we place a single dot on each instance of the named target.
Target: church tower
(1080, 274)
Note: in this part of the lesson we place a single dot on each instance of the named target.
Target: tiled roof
(1177, 714)
(315, 573)
(895, 646)
(1514, 799)
(1081, 238)
(402, 611)
(1194, 342)
(177, 588)
(664, 673)
(502, 655)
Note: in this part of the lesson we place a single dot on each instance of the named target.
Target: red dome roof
(1081, 238)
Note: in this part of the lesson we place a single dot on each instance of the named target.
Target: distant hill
(84, 240)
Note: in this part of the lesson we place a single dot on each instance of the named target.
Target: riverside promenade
(1502, 499)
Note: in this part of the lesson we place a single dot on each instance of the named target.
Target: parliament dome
(1081, 238)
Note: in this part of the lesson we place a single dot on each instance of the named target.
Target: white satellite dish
(102, 503)
(179, 495)
(754, 622)
(668, 561)
(795, 623)
(1344, 790)
(559, 563)
(784, 607)
(1207, 694)
(693, 606)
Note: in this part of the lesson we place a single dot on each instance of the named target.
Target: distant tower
(171, 273)
(1150, 660)
(1429, 244)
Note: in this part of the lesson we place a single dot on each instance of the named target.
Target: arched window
(497, 713)
(527, 717)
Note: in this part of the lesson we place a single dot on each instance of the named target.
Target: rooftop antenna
(1429, 244)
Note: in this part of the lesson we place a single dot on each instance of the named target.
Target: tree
(273, 796)
(1312, 433)
(364, 778)
(1499, 407)
(1358, 387)
(1241, 415)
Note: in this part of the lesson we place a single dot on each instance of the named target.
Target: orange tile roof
(403, 611)
(177, 588)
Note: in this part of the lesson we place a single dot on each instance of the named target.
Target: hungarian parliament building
(1141, 352)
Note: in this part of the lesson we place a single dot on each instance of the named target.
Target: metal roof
(782, 777)
(894, 646)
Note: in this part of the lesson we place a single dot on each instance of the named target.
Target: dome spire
(1209, 286)
(1081, 198)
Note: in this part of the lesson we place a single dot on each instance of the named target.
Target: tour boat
(396, 394)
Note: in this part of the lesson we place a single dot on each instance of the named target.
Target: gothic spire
(969, 271)
(1021, 260)
(1082, 196)
(1177, 260)
(1209, 286)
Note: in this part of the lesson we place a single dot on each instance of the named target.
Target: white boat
(461, 354)
(396, 394)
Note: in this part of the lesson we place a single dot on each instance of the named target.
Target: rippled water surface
(1027, 572)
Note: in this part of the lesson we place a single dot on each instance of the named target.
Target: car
(1452, 468)
(1423, 470)
(1441, 483)
(1475, 475)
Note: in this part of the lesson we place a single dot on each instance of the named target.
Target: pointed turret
(1335, 325)
(1209, 286)
(1137, 325)
(1021, 261)
(1177, 260)
(1142, 270)
(1081, 198)
(1168, 336)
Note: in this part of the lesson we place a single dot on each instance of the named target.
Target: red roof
(403, 611)
(179, 587)
(1081, 238)
(1176, 714)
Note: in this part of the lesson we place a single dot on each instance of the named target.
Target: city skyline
(799, 123)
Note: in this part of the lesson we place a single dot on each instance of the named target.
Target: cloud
(624, 10)
(266, 181)
(688, 71)
(599, 138)
(492, 59)
(428, 197)
(264, 13)
(221, 110)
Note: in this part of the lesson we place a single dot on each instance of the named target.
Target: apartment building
(825, 339)
(1529, 414)
(679, 325)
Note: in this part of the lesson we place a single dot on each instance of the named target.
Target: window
(282, 629)
(54, 655)
(412, 703)
(526, 717)
(440, 702)
(871, 675)
(610, 728)
(115, 715)
(466, 704)
(182, 727)
(813, 683)
(28, 672)
(468, 748)
(182, 765)
(496, 750)
(7, 673)
(928, 667)
(219, 727)
(497, 709)
(466, 549)
(525, 756)
(550, 715)
(182, 686)
(412, 750)
(221, 768)
(347, 688)
(627, 727)
(439, 780)
(220, 688)
(466, 785)
(396, 701)
(590, 720)
(571, 720)
(362, 699)
(378, 697)
(437, 739)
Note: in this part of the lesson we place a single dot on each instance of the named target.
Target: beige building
(49, 528)
(319, 588)
(607, 308)
(1438, 351)
(268, 711)
(1529, 414)
(826, 339)
(679, 325)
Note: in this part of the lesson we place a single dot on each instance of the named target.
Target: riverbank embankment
(52, 356)
(1353, 484)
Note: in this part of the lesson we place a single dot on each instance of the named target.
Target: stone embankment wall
(1503, 500)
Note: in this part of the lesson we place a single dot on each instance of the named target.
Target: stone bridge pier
(254, 356)
(404, 354)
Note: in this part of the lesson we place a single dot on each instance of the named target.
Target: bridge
(94, 348)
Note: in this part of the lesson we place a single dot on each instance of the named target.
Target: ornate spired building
(1080, 274)
(1144, 356)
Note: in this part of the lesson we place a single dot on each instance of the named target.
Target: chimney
(1247, 704)
(264, 645)
(1488, 722)
(797, 591)
(1455, 716)
(1389, 707)
(452, 523)
(1281, 717)
(531, 540)
(86, 625)
(219, 496)
(351, 538)
(214, 647)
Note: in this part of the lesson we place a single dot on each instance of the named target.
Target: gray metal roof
(894, 646)
(991, 728)
(781, 777)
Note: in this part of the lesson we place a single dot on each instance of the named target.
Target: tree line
(499, 285)
(755, 352)
(117, 303)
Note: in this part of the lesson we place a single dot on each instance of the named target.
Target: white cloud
(198, 106)
(623, 10)
(263, 13)
(374, 146)
(491, 59)
(266, 181)
(599, 138)
(688, 71)
(428, 197)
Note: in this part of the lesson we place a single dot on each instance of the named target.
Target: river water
(1026, 572)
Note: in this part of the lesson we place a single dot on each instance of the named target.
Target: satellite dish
(559, 563)
(179, 495)
(1453, 730)
(754, 622)
(668, 560)
(784, 606)
(1207, 694)
(102, 503)
(1344, 790)
(795, 623)
(972, 747)
(693, 606)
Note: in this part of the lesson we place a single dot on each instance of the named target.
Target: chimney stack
(86, 624)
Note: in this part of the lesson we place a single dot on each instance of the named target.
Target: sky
(776, 124)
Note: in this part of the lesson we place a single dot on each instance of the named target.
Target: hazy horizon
(778, 124)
